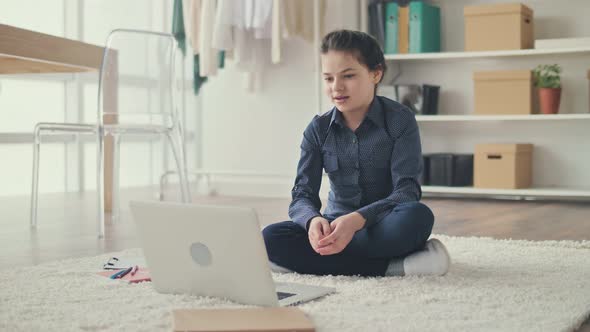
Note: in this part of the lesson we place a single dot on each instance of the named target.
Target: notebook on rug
(142, 274)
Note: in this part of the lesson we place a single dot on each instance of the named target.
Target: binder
(424, 27)
(403, 29)
(376, 24)
(391, 24)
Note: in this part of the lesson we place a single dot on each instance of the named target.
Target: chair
(142, 56)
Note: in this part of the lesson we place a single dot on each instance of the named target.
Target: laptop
(213, 251)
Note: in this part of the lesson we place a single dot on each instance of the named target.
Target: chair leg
(184, 184)
(177, 150)
(100, 181)
(184, 164)
(35, 183)
(116, 210)
(164, 183)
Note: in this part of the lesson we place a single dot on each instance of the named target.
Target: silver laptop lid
(205, 250)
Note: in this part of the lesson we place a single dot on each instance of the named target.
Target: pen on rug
(114, 275)
(121, 274)
(124, 273)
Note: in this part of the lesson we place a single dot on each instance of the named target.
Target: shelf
(529, 192)
(485, 54)
(531, 117)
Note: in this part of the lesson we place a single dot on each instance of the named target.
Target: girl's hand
(319, 228)
(343, 229)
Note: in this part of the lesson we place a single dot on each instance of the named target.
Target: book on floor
(242, 319)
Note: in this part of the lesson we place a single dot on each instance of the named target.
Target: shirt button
(354, 140)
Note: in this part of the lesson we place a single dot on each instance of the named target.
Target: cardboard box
(505, 166)
(289, 319)
(507, 26)
(503, 92)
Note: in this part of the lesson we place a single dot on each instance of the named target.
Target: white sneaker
(434, 259)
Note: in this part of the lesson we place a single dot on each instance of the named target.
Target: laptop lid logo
(200, 254)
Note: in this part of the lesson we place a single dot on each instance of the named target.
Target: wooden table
(29, 52)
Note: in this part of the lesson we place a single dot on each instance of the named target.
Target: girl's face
(348, 83)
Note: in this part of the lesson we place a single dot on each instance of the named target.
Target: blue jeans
(403, 231)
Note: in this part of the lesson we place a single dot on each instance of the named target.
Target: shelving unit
(485, 54)
(516, 193)
(529, 193)
(562, 154)
(532, 117)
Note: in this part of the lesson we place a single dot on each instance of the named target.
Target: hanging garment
(262, 19)
(208, 60)
(178, 25)
(276, 31)
(178, 31)
(298, 18)
(191, 10)
(223, 38)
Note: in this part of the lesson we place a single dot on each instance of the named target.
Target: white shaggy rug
(492, 285)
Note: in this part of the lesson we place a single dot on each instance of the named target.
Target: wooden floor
(67, 226)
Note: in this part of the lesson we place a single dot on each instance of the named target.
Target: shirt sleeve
(406, 167)
(306, 203)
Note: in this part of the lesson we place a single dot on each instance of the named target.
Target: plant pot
(549, 99)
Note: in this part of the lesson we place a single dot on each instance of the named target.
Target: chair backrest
(137, 78)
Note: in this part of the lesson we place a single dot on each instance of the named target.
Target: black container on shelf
(430, 99)
(440, 172)
(462, 170)
(448, 169)
(424, 180)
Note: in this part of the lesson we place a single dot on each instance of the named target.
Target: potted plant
(548, 82)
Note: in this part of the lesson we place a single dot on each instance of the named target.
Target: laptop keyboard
(282, 295)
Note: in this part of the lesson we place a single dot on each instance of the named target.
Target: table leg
(110, 96)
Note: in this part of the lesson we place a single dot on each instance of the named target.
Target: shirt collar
(375, 114)
(337, 117)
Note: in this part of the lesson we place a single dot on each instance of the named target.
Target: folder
(243, 319)
(424, 27)
(403, 29)
(391, 24)
(376, 23)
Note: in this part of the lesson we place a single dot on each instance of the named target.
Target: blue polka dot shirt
(371, 170)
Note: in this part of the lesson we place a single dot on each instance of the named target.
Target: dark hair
(362, 46)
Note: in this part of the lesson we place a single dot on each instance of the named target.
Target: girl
(369, 145)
